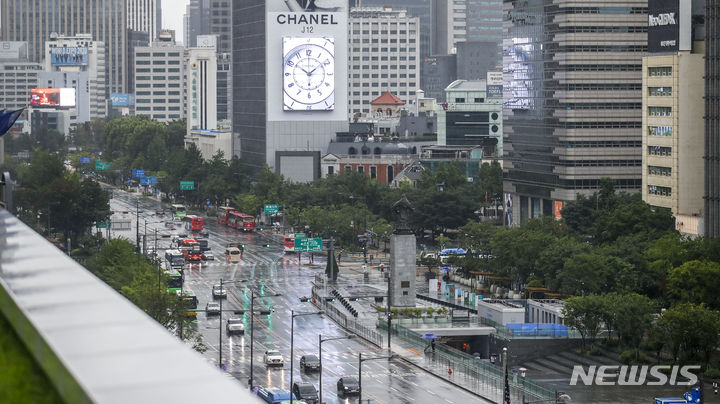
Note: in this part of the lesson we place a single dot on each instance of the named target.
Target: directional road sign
(272, 209)
(101, 166)
(138, 173)
(187, 185)
(308, 244)
(84, 160)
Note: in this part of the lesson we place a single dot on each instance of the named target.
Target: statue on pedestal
(402, 209)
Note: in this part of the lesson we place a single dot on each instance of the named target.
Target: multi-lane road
(281, 280)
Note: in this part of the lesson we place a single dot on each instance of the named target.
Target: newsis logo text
(626, 375)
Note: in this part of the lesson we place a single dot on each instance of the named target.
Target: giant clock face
(308, 74)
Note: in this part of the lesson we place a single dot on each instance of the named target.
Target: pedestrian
(432, 344)
(449, 372)
(339, 256)
(382, 267)
(715, 387)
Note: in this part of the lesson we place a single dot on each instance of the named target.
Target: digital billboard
(69, 56)
(122, 100)
(668, 25)
(52, 97)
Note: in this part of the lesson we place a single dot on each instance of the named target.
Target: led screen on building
(52, 97)
(69, 56)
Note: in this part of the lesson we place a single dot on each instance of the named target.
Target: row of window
(383, 58)
(157, 85)
(402, 84)
(384, 75)
(384, 32)
(146, 78)
(660, 111)
(602, 163)
(660, 151)
(585, 28)
(660, 191)
(603, 105)
(600, 143)
(660, 91)
(603, 68)
(603, 10)
(157, 70)
(602, 48)
(385, 67)
(660, 130)
(157, 54)
(594, 184)
(603, 87)
(157, 108)
(659, 71)
(657, 170)
(603, 124)
(156, 62)
(376, 93)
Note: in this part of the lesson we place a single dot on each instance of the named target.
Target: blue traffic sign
(148, 180)
(138, 173)
(84, 160)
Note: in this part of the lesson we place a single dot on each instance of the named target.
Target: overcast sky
(172, 16)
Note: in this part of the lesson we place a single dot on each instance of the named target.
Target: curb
(413, 364)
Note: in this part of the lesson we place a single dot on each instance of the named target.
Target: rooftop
(387, 98)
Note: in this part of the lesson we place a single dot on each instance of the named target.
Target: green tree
(696, 282)
(588, 273)
(585, 315)
(693, 331)
(634, 315)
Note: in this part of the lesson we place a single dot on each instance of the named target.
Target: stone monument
(402, 257)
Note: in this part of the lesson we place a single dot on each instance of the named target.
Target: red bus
(289, 243)
(241, 221)
(193, 223)
(191, 250)
(223, 214)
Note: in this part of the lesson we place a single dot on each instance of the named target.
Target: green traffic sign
(187, 185)
(101, 166)
(272, 209)
(308, 244)
(103, 225)
(300, 235)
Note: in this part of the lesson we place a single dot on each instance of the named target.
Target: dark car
(204, 233)
(309, 362)
(348, 385)
(305, 391)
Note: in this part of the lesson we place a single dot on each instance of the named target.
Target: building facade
(201, 71)
(276, 112)
(462, 21)
(86, 74)
(17, 75)
(712, 119)
(383, 56)
(160, 79)
(471, 117)
(144, 16)
(104, 20)
(573, 100)
(440, 71)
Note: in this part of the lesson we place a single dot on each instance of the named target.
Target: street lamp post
(320, 341)
(292, 344)
(360, 361)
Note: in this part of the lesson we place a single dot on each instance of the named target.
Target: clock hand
(311, 71)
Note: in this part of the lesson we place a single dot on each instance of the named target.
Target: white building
(201, 71)
(78, 62)
(209, 142)
(160, 79)
(383, 56)
(144, 16)
(500, 312)
(545, 311)
(17, 75)
(472, 116)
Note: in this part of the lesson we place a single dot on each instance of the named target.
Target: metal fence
(482, 377)
(349, 324)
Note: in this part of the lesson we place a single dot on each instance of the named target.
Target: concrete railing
(93, 344)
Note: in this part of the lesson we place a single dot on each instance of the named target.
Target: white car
(235, 325)
(212, 308)
(208, 256)
(273, 358)
(219, 292)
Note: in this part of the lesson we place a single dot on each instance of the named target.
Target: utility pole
(332, 257)
(389, 312)
(137, 228)
(220, 364)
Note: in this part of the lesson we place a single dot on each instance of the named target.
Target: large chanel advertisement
(305, 39)
(669, 26)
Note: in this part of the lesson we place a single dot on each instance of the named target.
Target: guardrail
(484, 376)
(93, 344)
(349, 324)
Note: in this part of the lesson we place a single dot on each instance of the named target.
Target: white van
(232, 254)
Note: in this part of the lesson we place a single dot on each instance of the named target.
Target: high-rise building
(160, 79)
(573, 100)
(201, 72)
(673, 127)
(104, 20)
(289, 102)
(384, 55)
(204, 17)
(144, 16)
(460, 21)
(475, 59)
(712, 119)
(415, 8)
(83, 58)
(440, 71)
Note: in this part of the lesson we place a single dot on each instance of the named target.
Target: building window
(658, 170)
(660, 191)
(660, 130)
(659, 91)
(660, 111)
(660, 71)
(460, 100)
(390, 173)
(361, 169)
(659, 151)
(331, 170)
(373, 172)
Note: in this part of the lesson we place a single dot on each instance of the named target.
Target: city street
(280, 281)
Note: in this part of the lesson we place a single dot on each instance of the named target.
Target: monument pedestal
(402, 270)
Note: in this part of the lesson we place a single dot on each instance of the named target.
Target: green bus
(174, 281)
(179, 211)
(190, 301)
